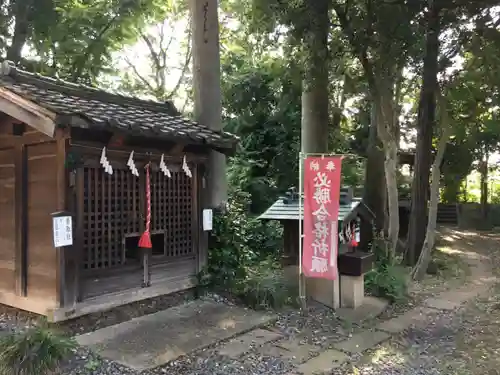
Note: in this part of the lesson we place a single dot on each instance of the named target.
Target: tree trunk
(387, 134)
(314, 129)
(207, 89)
(22, 12)
(375, 190)
(425, 125)
(484, 187)
(425, 256)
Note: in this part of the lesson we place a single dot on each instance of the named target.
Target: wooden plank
(44, 189)
(203, 236)
(104, 231)
(7, 221)
(28, 112)
(195, 212)
(124, 222)
(97, 244)
(21, 219)
(80, 230)
(62, 192)
(121, 281)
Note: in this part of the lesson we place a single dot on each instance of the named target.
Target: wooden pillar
(80, 222)
(62, 198)
(21, 219)
(202, 198)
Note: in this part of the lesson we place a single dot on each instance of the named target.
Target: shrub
(388, 279)
(265, 287)
(237, 242)
(36, 351)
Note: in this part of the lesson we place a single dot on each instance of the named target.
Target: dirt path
(457, 342)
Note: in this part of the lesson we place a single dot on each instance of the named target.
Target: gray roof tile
(111, 111)
(290, 210)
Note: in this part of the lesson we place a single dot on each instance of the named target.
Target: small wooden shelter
(351, 263)
(286, 211)
(51, 138)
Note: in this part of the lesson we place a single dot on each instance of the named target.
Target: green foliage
(387, 279)
(75, 39)
(36, 351)
(265, 287)
(262, 106)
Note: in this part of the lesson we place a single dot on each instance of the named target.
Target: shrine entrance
(113, 217)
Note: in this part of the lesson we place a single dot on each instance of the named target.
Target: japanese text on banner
(321, 208)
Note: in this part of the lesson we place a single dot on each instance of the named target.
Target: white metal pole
(302, 293)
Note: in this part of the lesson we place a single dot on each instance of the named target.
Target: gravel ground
(462, 342)
(320, 327)
(453, 343)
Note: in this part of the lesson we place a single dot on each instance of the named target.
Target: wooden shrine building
(52, 135)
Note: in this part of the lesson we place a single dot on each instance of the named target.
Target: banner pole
(302, 292)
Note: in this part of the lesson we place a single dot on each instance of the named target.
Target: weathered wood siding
(7, 220)
(42, 202)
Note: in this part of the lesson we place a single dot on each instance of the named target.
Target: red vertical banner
(321, 211)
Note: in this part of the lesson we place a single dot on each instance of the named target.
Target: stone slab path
(153, 340)
(248, 346)
(481, 280)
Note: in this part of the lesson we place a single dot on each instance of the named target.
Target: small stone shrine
(348, 289)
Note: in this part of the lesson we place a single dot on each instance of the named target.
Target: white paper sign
(207, 219)
(63, 231)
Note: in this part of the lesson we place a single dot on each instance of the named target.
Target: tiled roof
(290, 210)
(102, 109)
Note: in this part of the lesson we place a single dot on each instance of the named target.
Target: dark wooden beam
(62, 198)
(21, 220)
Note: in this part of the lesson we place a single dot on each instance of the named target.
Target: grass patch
(448, 265)
(38, 350)
(262, 285)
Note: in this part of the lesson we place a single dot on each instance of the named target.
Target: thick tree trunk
(314, 137)
(387, 134)
(425, 126)
(207, 89)
(426, 253)
(375, 190)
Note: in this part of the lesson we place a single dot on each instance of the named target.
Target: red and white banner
(321, 210)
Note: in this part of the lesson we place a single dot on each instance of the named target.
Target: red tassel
(145, 241)
(354, 243)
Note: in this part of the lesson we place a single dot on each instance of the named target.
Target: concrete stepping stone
(292, 350)
(442, 304)
(370, 309)
(362, 341)
(244, 343)
(153, 340)
(406, 320)
(325, 362)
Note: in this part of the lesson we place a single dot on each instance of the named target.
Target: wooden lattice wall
(114, 208)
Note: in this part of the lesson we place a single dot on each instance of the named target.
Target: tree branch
(139, 75)
(79, 63)
(187, 61)
(360, 51)
(154, 55)
(183, 73)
